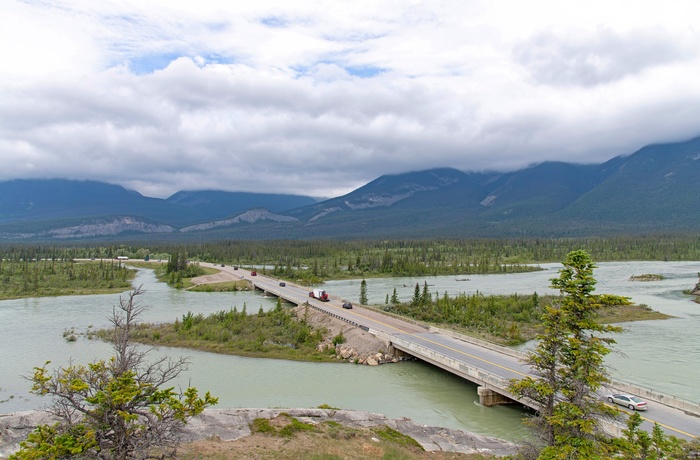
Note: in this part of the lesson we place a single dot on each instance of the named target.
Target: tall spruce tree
(568, 364)
(363, 292)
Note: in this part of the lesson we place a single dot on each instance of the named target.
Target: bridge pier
(393, 351)
(488, 397)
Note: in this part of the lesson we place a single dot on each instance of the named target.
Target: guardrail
(615, 384)
(653, 395)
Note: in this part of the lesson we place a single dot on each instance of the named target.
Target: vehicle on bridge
(319, 294)
(253, 273)
(347, 305)
(629, 401)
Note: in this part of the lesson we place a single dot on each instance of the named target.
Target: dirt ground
(221, 277)
(353, 446)
(364, 343)
(325, 441)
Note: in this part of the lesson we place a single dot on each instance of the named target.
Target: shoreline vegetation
(647, 277)
(294, 334)
(22, 278)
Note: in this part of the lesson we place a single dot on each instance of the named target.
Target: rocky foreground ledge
(233, 424)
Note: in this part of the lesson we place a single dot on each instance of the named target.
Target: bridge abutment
(488, 397)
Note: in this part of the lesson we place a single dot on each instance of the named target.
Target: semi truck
(319, 294)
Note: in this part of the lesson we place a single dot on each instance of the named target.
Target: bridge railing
(615, 384)
(471, 373)
(653, 395)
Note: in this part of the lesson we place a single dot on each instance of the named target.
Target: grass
(391, 435)
(228, 286)
(286, 438)
(272, 334)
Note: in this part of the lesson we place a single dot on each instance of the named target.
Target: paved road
(505, 366)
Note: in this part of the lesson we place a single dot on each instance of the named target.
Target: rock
(234, 424)
(696, 290)
(371, 362)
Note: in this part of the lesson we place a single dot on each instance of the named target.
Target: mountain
(213, 204)
(67, 209)
(653, 190)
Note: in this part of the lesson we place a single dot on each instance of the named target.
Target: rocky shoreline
(229, 425)
(358, 347)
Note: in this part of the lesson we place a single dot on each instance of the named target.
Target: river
(658, 354)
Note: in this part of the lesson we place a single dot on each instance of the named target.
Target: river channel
(662, 355)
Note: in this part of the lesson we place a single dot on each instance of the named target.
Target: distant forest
(324, 259)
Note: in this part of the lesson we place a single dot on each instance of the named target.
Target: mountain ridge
(652, 190)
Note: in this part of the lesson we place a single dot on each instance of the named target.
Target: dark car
(223, 265)
(347, 305)
(282, 284)
(235, 268)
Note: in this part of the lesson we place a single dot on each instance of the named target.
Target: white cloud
(319, 97)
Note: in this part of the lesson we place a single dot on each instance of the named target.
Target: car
(629, 401)
(223, 265)
(235, 268)
(282, 284)
(347, 305)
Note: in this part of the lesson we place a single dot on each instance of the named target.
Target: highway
(479, 362)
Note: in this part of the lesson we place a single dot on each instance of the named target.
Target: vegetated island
(23, 278)
(304, 334)
(647, 277)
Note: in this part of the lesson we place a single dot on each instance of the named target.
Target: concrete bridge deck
(488, 365)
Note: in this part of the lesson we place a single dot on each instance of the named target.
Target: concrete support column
(396, 352)
(488, 397)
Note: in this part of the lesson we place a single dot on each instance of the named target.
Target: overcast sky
(320, 97)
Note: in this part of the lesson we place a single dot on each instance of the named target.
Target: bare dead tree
(119, 408)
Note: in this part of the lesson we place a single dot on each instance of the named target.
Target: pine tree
(568, 363)
(363, 293)
(394, 297)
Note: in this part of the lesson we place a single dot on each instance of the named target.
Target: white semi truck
(319, 294)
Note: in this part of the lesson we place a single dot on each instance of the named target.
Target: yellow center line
(443, 345)
(389, 326)
(614, 406)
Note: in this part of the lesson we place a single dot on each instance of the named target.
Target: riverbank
(298, 334)
(232, 433)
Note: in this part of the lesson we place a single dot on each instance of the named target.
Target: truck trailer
(319, 294)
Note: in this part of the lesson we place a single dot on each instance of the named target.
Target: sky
(318, 98)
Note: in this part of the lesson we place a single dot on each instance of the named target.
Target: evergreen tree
(394, 297)
(425, 297)
(363, 293)
(415, 301)
(568, 362)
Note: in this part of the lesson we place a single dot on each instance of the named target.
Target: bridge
(489, 366)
